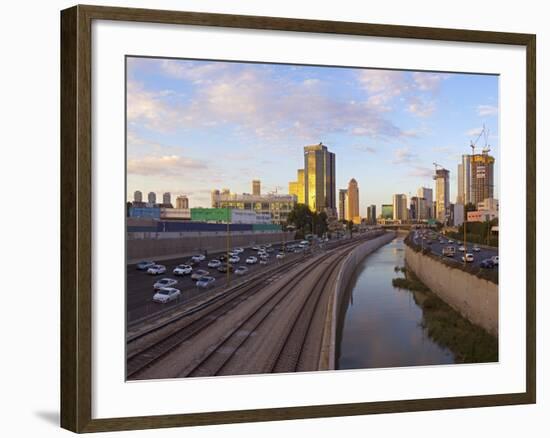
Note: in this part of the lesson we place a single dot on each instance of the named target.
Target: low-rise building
(482, 215)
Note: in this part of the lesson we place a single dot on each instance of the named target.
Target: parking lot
(437, 248)
(139, 286)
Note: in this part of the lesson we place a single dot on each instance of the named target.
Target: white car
(264, 257)
(468, 257)
(451, 241)
(281, 255)
(476, 248)
(156, 270)
(166, 294)
(205, 282)
(251, 260)
(198, 274)
(145, 264)
(495, 260)
(214, 263)
(198, 257)
(234, 259)
(182, 270)
(241, 270)
(461, 248)
(255, 248)
(263, 261)
(164, 282)
(238, 250)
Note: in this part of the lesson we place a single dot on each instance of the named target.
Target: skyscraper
(352, 207)
(320, 178)
(482, 177)
(387, 211)
(400, 207)
(441, 178)
(152, 198)
(371, 214)
(427, 194)
(342, 201)
(297, 188)
(256, 187)
(463, 194)
(138, 196)
(167, 199)
(182, 202)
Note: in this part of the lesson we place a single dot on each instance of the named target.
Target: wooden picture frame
(76, 218)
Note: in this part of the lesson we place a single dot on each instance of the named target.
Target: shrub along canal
(393, 320)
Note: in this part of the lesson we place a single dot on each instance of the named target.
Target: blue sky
(198, 125)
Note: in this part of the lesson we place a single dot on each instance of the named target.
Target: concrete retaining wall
(334, 313)
(158, 249)
(474, 298)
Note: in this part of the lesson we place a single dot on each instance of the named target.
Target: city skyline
(386, 127)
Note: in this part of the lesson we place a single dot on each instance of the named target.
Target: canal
(383, 325)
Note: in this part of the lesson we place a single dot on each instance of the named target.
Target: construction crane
(485, 133)
(436, 165)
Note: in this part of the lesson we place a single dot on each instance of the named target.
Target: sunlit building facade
(352, 207)
(400, 210)
(297, 188)
(320, 179)
(482, 177)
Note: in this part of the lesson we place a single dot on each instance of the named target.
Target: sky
(194, 126)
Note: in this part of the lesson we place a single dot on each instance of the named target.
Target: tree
(301, 217)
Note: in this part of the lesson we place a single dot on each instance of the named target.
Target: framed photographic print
(269, 218)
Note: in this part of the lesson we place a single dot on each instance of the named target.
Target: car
(461, 248)
(164, 282)
(214, 263)
(269, 249)
(268, 245)
(441, 241)
(166, 294)
(223, 258)
(264, 257)
(476, 248)
(145, 264)
(280, 256)
(233, 254)
(451, 241)
(251, 260)
(241, 270)
(224, 267)
(192, 262)
(449, 251)
(205, 282)
(156, 270)
(182, 270)
(234, 259)
(304, 242)
(263, 261)
(238, 250)
(198, 274)
(468, 257)
(495, 259)
(487, 264)
(255, 248)
(198, 257)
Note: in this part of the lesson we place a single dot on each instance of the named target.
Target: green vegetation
(477, 232)
(443, 324)
(307, 221)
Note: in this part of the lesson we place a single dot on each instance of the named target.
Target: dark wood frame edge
(76, 226)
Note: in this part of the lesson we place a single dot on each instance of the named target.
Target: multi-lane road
(139, 286)
(437, 246)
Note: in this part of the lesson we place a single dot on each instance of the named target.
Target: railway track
(213, 360)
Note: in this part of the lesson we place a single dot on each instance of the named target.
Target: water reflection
(382, 326)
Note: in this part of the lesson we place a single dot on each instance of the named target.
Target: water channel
(382, 326)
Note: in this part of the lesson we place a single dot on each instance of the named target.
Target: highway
(139, 284)
(261, 327)
(437, 248)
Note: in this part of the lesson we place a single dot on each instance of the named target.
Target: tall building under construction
(482, 177)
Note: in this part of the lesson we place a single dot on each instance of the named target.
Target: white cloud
(403, 155)
(420, 108)
(425, 81)
(167, 165)
(487, 110)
